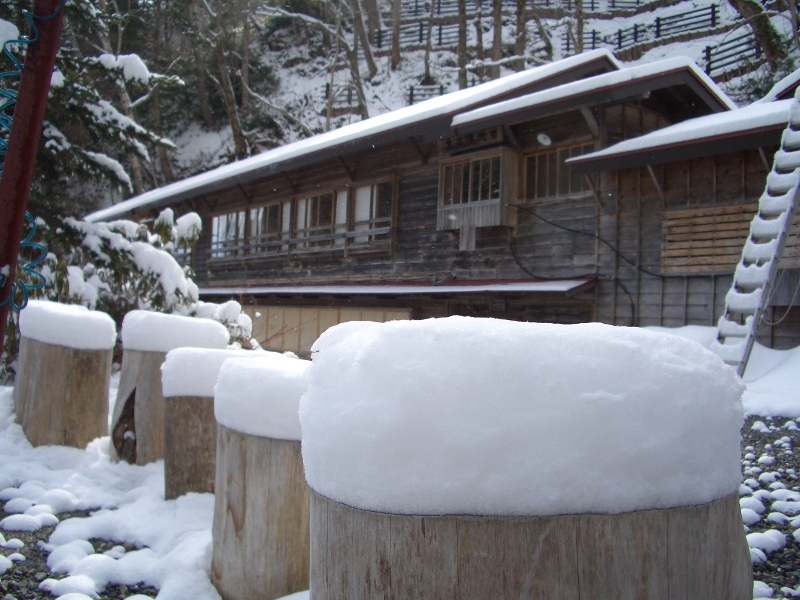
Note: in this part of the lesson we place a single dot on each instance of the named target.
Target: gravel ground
(775, 441)
(769, 463)
(21, 582)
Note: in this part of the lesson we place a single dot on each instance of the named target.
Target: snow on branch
(112, 165)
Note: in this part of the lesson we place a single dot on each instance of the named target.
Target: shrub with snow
(118, 267)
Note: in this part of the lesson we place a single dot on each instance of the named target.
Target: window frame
(305, 235)
(561, 171)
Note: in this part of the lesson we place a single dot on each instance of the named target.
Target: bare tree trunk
(202, 91)
(462, 44)
(548, 43)
(579, 25)
(125, 104)
(373, 17)
(427, 79)
(163, 156)
(155, 106)
(479, 50)
(329, 110)
(395, 34)
(795, 23)
(245, 63)
(497, 42)
(355, 74)
(227, 89)
(766, 36)
(521, 42)
(358, 25)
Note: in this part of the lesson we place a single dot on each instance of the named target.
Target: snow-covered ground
(172, 538)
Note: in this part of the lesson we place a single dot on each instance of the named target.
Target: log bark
(137, 426)
(358, 25)
(61, 394)
(766, 36)
(686, 553)
(497, 40)
(462, 44)
(261, 518)
(190, 446)
(396, 5)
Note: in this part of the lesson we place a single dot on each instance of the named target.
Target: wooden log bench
(188, 377)
(262, 502)
(137, 425)
(61, 388)
(477, 458)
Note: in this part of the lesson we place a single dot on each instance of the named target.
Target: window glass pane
(486, 174)
(447, 189)
(458, 180)
(494, 191)
(530, 177)
(541, 176)
(301, 207)
(552, 180)
(563, 173)
(286, 222)
(341, 217)
(475, 186)
(362, 212)
(273, 219)
(325, 211)
(384, 202)
(465, 184)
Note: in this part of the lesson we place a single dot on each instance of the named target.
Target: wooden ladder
(756, 272)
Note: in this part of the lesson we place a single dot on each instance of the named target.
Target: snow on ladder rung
(759, 264)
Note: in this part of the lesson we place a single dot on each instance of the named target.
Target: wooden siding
(565, 237)
(297, 328)
(710, 240)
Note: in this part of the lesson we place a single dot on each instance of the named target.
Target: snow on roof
(564, 285)
(784, 85)
(750, 118)
(435, 107)
(592, 84)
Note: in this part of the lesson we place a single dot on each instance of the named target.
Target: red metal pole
(23, 143)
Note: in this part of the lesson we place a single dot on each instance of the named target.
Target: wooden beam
(509, 134)
(656, 183)
(347, 169)
(763, 156)
(591, 122)
(289, 180)
(594, 191)
(246, 197)
(423, 157)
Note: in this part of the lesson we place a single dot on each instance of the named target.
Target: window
(227, 235)
(270, 228)
(546, 175)
(471, 181)
(372, 212)
(354, 217)
(474, 191)
(321, 220)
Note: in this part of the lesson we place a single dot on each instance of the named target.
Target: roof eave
(612, 93)
(688, 150)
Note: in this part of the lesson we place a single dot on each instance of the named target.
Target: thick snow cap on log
(194, 371)
(158, 332)
(69, 325)
(481, 416)
(261, 395)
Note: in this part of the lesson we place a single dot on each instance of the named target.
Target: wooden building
(466, 204)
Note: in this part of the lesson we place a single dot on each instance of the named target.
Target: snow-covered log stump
(262, 501)
(61, 389)
(476, 458)
(137, 425)
(188, 377)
